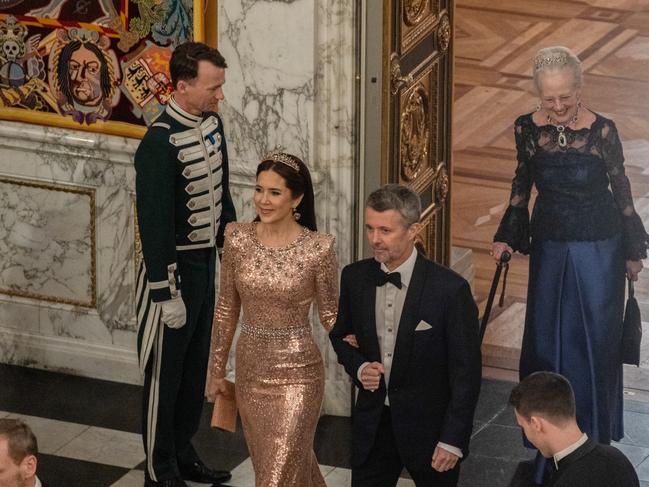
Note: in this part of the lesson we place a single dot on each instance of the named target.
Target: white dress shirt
(388, 308)
(38, 482)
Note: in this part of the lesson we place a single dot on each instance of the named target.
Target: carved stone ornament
(415, 133)
(413, 11)
(444, 33)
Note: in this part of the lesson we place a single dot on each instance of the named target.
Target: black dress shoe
(177, 482)
(198, 472)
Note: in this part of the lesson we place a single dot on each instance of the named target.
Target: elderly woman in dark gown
(583, 237)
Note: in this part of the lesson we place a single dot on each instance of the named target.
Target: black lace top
(574, 201)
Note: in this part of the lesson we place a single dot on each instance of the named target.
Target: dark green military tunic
(183, 201)
(183, 205)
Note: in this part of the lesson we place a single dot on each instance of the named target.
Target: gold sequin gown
(279, 372)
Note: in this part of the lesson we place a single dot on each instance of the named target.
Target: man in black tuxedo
(544, 405)
(407, 334)
(18, 455)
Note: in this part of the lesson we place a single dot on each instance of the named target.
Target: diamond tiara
(278, 156)
(559, 58)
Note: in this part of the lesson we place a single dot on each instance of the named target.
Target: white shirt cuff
(453, 449)
(360, 369)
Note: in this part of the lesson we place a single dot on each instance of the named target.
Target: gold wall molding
(73, 189)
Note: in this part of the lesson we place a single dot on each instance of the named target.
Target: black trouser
(174, 380)
(384, 465)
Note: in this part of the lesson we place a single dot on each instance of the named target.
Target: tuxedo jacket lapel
(408, 321)
(369, 313)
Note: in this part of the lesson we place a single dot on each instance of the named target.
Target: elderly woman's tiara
(557, 58)
(278, 155)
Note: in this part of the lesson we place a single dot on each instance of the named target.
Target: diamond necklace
(563, 140)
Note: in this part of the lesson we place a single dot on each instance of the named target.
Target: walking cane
(503, 262)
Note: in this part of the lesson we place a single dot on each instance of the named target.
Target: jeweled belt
(272, 333)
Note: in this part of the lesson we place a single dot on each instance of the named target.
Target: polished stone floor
(88, 434)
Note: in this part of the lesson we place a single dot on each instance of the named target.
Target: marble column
(290, 83)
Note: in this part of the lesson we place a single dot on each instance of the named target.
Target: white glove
(174, 314)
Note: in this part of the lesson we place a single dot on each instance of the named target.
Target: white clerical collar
(183, 116)
(38, 482)
(567, 451)
(404, 269)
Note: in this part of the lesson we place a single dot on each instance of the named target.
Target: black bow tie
(393, 277)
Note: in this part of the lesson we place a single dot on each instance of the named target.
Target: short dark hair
(21, 440)
(396, 197)
(185, 58)
(546, 394)
(299, 183)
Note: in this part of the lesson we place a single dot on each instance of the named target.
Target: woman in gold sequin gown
(274, 268)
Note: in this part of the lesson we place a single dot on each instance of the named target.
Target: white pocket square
(423, 326)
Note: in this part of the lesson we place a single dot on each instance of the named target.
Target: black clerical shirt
(594, 465)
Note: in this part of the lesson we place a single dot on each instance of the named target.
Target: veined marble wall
(67, 244)
(290, 82)
(67, 229)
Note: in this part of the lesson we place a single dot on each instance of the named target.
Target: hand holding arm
(348, 353)
(351, 340)
(326, 286)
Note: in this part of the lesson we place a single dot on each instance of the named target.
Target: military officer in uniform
(183, 203)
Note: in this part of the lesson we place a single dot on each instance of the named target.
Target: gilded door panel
(416, 19)
(417, 111)
(418, 133)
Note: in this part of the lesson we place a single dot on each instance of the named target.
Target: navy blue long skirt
(573, 326)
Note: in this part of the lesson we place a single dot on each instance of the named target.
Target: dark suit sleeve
(464, 366)
(155, 176)
(228, 213)
(348, 356)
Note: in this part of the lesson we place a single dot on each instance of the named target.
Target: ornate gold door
(417, 100)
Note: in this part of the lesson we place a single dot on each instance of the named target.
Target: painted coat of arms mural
(99, 65)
